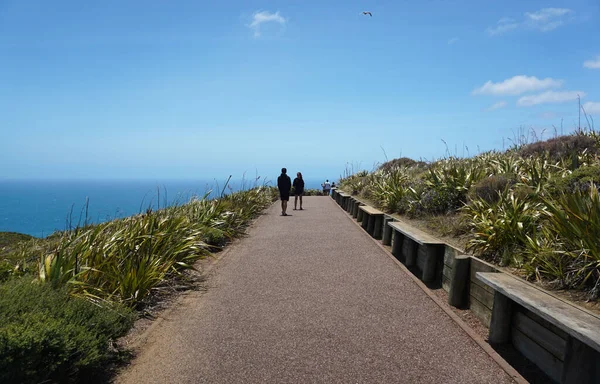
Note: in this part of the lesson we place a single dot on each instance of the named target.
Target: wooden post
(397, 245)
(459, 281)
(409, 251)
(501, 319)
(365, 220)
(387, 230)
(581, 363)
(355, 210)
(371, 225)
(360, 215)
(432, 256)
(378, 226)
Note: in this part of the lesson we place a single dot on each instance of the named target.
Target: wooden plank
(574, 321)
(447, 272)
(548, 340)
(370, 210)
(343, 194)
(551, 366)
(449, 254)
(483, 313)
(480, 284)
(479, 266)
(448, 259)
(546, 324)
(446, 283)
(414, 233)
(483, 296)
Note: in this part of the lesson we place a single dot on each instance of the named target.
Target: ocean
(39, 208)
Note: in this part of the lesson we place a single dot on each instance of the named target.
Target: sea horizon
(39, 207)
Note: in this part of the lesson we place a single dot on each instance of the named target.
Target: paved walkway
(309, 298)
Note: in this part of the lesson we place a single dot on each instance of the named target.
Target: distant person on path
(284, 184)
(326, 187)
(298, 190)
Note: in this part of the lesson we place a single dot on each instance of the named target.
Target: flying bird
(367, 13)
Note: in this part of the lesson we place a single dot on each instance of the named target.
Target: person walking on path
(284, 184)
(298, 190)
(326, 187)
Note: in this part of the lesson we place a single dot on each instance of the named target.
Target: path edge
(142, 339)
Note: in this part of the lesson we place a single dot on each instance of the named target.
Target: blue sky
(188, 89)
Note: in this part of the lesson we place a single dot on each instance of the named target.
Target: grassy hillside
(9, 241)
(64, 298)
(534, 207)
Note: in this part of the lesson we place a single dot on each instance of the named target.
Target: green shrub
(567, 247)
(562, 147)
(538, 172)
(214, 237)
(448, 182)
(388, 188)
(403, 162)
(490, 188)
(45, 335)
(499, 230)
(579, 180)
(497, 163)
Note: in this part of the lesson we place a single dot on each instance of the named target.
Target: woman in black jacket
(298, 190)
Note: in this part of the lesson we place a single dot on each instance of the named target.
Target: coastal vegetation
(534, 207)
(65, 299)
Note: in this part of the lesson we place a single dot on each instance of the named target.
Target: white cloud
(517, 85)
(498, 105)
(453, 40)
(592, 107)
(262, 17)
(592, 64)
(503, 25)
(545, 19)
(549, 97)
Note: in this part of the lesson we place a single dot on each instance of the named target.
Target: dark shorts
(299, 192)
(284, 196)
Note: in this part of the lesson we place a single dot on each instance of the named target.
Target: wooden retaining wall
(538, 340)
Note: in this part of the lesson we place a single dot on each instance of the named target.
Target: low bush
(388, 188)
(403, 162)
(490, 188)
(500, 230)
(561, 147)
(48, 336)
(579, 180)
(566, 248)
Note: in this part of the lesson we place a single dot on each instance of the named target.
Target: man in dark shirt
(284, 183)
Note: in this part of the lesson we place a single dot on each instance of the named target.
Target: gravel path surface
(309, 298)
